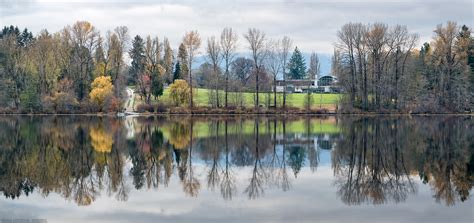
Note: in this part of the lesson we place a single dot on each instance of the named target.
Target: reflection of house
(326, 84)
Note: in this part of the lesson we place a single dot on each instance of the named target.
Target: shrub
(111, 104)
(179, 92)
(145, 108)
(161, 108)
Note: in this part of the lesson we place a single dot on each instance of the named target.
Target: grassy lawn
(201, 98)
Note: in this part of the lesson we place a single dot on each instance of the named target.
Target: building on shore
(323, 84)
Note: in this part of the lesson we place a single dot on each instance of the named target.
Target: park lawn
(201, 98)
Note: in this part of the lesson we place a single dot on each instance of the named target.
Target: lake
(236, 169)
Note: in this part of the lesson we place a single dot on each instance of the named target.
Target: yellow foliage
(101, 88)
(179, 92)
(101, 141)
(100, 69)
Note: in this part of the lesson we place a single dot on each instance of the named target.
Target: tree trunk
(274, 92)
(257, 105)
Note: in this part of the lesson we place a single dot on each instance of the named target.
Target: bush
(60, 103)
(179, 92)
(161, 108)
(145, 108)
(111, 104)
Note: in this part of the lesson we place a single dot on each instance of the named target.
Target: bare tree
(256, 39)
(273, 63)
(192, 42)
(314, 66)
(213, 50)
(286, 45)
(228, 41)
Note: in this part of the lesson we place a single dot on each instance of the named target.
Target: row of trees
(380, 68)
(222, 71)
(54, 71)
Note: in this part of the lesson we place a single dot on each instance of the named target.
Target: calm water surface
(178, 169)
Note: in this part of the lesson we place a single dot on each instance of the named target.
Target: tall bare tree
(314, 66)
(273, 63)
(213, 50)
(256, 40)
(287, 45)
(228, 42)
(192, 42)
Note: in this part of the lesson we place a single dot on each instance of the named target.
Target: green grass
(201, 98)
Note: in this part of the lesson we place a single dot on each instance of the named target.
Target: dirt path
(129, 105)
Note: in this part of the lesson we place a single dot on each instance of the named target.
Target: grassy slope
(295, 99)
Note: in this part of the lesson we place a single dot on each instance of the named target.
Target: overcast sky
(312, 24)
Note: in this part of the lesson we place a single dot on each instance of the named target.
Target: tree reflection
(375, 159)
(255, 187)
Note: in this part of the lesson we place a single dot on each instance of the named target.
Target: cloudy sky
(312, 24)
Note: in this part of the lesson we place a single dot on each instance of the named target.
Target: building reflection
(374, 160)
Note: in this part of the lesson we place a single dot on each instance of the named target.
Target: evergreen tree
(183, 61)
(177, 72)
(297, 65)
(156, 85)
(137, 54)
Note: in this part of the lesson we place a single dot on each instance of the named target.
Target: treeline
(78, 69)
(224, 72)
(74, 70)
(382, 70)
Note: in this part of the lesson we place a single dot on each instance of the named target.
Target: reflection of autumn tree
(448, 165)
(191, 185)
(101, 140)
(180, 134)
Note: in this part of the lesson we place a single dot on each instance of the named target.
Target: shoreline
(236, 114)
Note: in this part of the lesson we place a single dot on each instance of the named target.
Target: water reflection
(375, 160)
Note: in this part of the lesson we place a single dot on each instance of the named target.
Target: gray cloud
(312, 24)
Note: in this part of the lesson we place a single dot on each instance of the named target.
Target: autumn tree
(47, 62)
(101, 89)
(179, 92)
(84, 38)
(191, 41)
